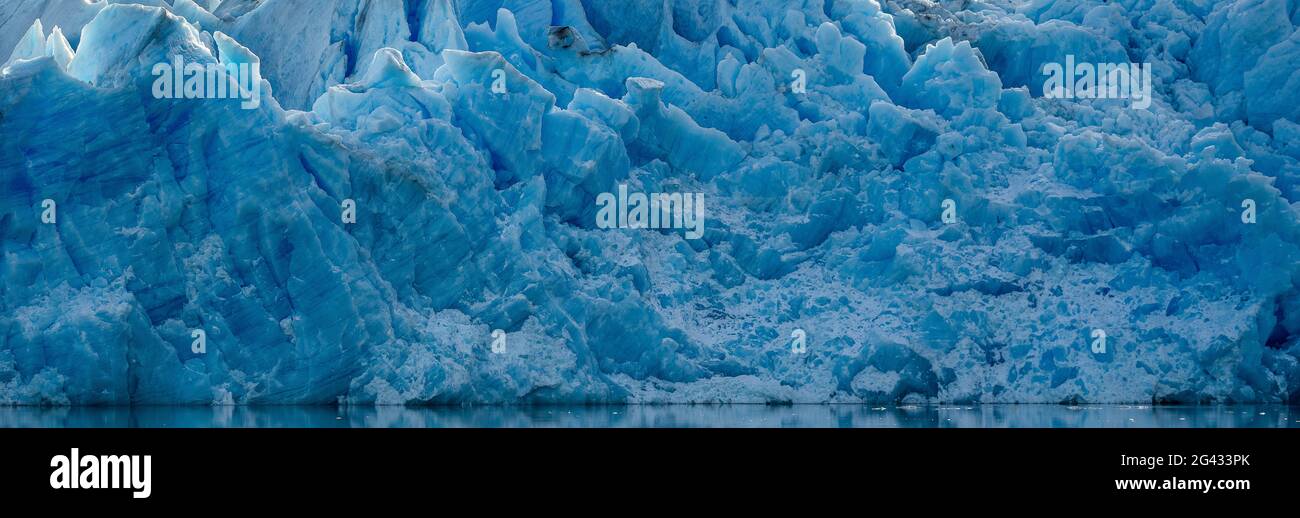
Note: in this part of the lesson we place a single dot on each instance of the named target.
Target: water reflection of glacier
(662, 416)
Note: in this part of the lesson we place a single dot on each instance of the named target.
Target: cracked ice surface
(475, 209)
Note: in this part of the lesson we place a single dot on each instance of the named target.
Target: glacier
(896, 213)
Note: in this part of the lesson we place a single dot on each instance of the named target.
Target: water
(660, 416)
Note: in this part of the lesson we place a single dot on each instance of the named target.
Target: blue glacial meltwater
(382, 202)
(659, 416)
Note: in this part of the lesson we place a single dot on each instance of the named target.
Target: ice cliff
(887, 185)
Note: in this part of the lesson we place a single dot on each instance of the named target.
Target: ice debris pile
(885, 181)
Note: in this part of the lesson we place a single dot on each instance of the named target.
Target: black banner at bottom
(155, 467)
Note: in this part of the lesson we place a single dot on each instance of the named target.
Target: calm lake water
(659, 416)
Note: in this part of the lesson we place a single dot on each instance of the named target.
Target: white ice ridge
(894, 210)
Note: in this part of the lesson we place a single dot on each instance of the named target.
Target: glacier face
(885, 183)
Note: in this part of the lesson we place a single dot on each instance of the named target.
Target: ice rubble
(475, 208)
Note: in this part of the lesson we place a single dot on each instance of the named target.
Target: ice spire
(32, 44)
(57, 46)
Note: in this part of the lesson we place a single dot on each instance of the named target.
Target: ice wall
(886, 186)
